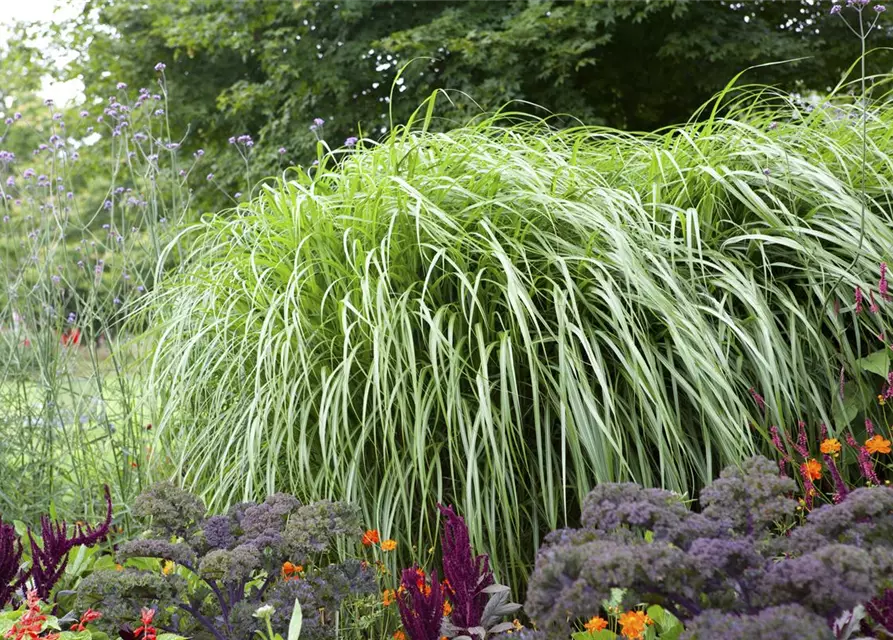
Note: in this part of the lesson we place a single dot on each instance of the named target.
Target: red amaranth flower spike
(467, 575)
(49, 559)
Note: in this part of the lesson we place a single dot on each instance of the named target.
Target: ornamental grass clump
(504, 315)
(217, 570)
(735, 570)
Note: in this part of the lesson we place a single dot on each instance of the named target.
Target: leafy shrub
(220, 569)
(724, 571)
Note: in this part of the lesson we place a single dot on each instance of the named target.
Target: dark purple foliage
(10, 555)
(49, 559)
(467, 575)
(881, 610)
(420, 604)
(725, 571)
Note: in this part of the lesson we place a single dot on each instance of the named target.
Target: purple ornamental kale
(467, 575)
(788, 622)
(10, 555)
(48, 560)
(420, 604)
(726, 572)
(218, 532)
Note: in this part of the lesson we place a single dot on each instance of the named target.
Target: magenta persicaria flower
(858, 297)
(160, 66)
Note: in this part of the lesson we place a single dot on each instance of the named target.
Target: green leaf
(170, 636)
(844, 412)
(604, 634)
(878, 363)
(297, 619)
(673, 632)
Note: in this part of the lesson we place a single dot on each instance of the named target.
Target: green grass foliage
(503, 315)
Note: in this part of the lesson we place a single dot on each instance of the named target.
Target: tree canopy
(269, 68)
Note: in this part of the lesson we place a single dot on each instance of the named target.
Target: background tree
(269, 68)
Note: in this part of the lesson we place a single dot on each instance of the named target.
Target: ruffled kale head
(218, 532)
(121, 595)
(162, 549)
(864, 518)
(787, 622)
(261, 525)
(618, 507)
(173, 511)
(313, 527)
(828, 581)
(233, 567)
(750, 498)
(570, 582)
(321, 594)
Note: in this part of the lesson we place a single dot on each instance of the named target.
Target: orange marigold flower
(811, 469)
(877, 444)
(447, 608)
(633, 623)
(291, 571)
(388, 597)
(399, 635)
(370, 537)
(595, 624)
(389, 545)
(830, 446)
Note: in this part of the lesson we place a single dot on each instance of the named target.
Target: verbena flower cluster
(726, 572)
(237, 560)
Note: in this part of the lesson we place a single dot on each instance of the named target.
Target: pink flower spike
(873, 307)
(761, 403)
(882, 285)
(858, 297)
(869, 426)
